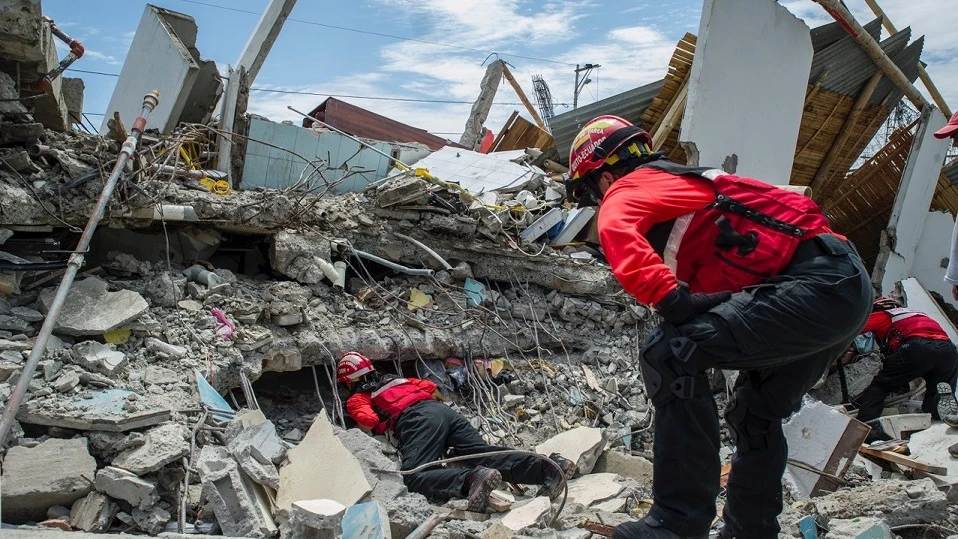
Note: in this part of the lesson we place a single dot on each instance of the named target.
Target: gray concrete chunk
(899, 502)
(126, 486)
(234, 499)
(152, 520)
(164, 444)
(97, 357)
(55, 472)
(94, 513)
(91, 309)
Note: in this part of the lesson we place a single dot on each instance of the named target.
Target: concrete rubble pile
(189, 385)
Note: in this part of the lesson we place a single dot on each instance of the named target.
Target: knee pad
(750, 428)
(671, 366)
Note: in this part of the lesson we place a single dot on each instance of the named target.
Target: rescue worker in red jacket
(913, 346)
(426, 428)
(746, 276)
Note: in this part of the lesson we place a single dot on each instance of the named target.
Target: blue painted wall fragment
(366, 521)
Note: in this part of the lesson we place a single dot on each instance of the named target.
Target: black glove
(679, 305)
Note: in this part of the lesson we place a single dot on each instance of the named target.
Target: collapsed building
(188, 383)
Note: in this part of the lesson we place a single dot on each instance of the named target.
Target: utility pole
(582, 80)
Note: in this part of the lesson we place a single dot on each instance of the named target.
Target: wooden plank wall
(519, 134)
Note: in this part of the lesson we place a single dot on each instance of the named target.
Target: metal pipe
(73, 266)
(840, 13)
(187, 173)
(425, 248)
(424, 529)
(76, 52)
(400, 165)
(392, 265)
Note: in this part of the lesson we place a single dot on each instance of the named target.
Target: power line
(380, 34)
(373, 98)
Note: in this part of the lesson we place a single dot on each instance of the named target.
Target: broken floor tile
(112, 410)
(593, 488)
(532, 513)
(321, 455)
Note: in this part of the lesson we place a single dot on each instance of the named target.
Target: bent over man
(913, 346)
(425, 428)
(746, 276)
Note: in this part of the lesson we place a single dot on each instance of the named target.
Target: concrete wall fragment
(905, 226)
(931, 256)
(747, 88)
(163, 56)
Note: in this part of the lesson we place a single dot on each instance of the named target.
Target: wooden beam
(671, 118)
(821, 177)
(523, 98)
(903, 460)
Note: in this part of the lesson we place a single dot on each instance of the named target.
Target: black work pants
(427, 429)
(917, 357)
(782, 335)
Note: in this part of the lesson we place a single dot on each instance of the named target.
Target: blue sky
(632, 40)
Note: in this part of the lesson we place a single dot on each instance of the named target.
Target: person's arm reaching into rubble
(879, 323)
(629, 209)
(951, 274)
(359, 406)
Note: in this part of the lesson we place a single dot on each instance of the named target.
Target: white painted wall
(747, 88)
(157, 59)
(907, 221)
(933, 250)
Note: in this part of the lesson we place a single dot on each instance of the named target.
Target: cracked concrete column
(482, 106)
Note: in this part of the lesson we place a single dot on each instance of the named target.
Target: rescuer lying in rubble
(426, 428)
(913, 346)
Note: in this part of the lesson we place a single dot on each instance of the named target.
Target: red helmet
(353, 366)
(600, 141)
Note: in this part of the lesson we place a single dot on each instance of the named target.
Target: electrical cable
(380, 34)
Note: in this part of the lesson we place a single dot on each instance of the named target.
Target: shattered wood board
(902, 460)
(321, 467)
(475, 172)
(109, 410)
(824, 439)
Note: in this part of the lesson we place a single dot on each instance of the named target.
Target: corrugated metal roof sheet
(950, 173)
(827, 35)
(907, 60)
(629, 105)
(847, 67)
(363, 123)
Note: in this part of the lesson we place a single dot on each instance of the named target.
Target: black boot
(647, 528)
(480, 483)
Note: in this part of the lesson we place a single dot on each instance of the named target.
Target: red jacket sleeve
(425, 385)
(629, 209)
(878, 323)
(360, 408)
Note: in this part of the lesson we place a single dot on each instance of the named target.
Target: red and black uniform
(426, 429)
(799, 297)
(914, 346)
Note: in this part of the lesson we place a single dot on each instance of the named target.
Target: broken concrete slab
(91, 309)
(859, 528)
(263, 473)
(94, 513)
(825, 439)
(534, 512)
(235, 502)
(899, 502)
(152, 520)
(97, 357)
(931, 447)
(593, 488)
(582, 445)
(406, 513)
(314, 519)
(111, 410)
(164, 444)
(614, 505)
(368, 451)
(156, 375)
(126, 486)
(54, 472)
(261, 437)
(497, 530)
(638, 468)
(321, 454)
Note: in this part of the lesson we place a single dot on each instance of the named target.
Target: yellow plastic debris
(418, 299)
(220, 187)
(117, 336)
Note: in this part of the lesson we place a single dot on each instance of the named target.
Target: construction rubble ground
(188, 385)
